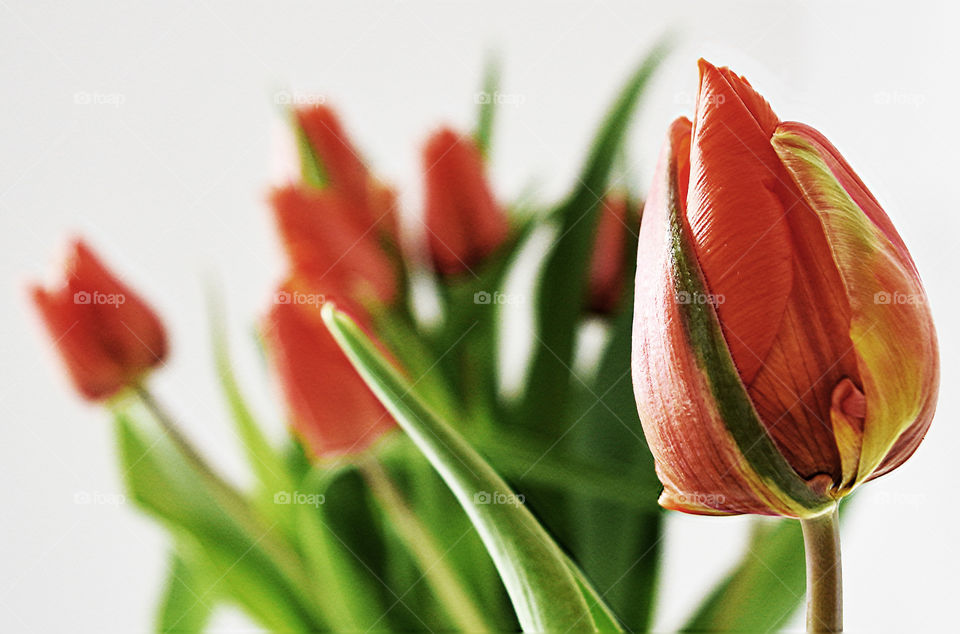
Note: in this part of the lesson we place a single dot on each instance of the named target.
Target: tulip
(784, 351)
(343, 170)
(107, 336)
(327, 247)
(331, 409)
(464, 222)
(609, 250)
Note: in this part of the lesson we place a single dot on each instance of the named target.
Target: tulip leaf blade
(186, 604)
(545, 593)
(561, 288)
(166, 485)
(764, 589)
(487, 106)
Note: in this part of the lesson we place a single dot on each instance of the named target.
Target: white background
(169, 185)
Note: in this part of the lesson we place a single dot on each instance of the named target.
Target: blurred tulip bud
(106, 335)
(784, 351)
(464, 222)
(328, 247)
(343, 170)
(331, 409)
(609, 251)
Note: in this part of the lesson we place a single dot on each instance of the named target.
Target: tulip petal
(891, 325)
(331, 408)
(736, 215)
(713, 453)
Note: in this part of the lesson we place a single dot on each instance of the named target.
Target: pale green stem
(444, 581)
(821, 542)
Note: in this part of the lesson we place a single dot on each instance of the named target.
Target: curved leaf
(545, 594)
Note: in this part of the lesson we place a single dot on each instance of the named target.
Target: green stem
(821, 542)
(442, 578)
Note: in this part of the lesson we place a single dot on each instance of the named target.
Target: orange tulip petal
(332, 410)
(712, 452)
(891, 326)
(736, 215)
(464, 222)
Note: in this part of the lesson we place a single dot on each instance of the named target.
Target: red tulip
(329, 248)
(332, 410)
(344, 170)
(609, 250)
(106, 335)
(784, 351)
(464, 222)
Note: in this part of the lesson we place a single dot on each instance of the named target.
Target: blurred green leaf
(544, 592)
(487, 106)
(252, 567)
(765, 588)
(560, 294)
(349, 590)
(311, 168)
(267, 463)
(187, 601)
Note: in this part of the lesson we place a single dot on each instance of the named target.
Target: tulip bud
(464, 222)
(331, 409)
(328, 246)
(106, 335)
(344, 170)
(784, 351)
(609, 249)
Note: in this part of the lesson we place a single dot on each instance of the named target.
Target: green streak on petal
(789, 491)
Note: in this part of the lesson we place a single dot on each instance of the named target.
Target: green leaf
(544, 592)
(487, 106)
(561, 290)
(187, 601)
(311, 168)
(348, 588)
(253, 568)
(765, 588)
(267, 463)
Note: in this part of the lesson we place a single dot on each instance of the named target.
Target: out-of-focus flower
(343, 170)
(609, 252)
(331, 409)
(464, 222)
(784, 351)
(106, 335)
(329, 249)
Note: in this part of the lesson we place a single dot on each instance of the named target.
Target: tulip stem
(444, 581)
(821, 542)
